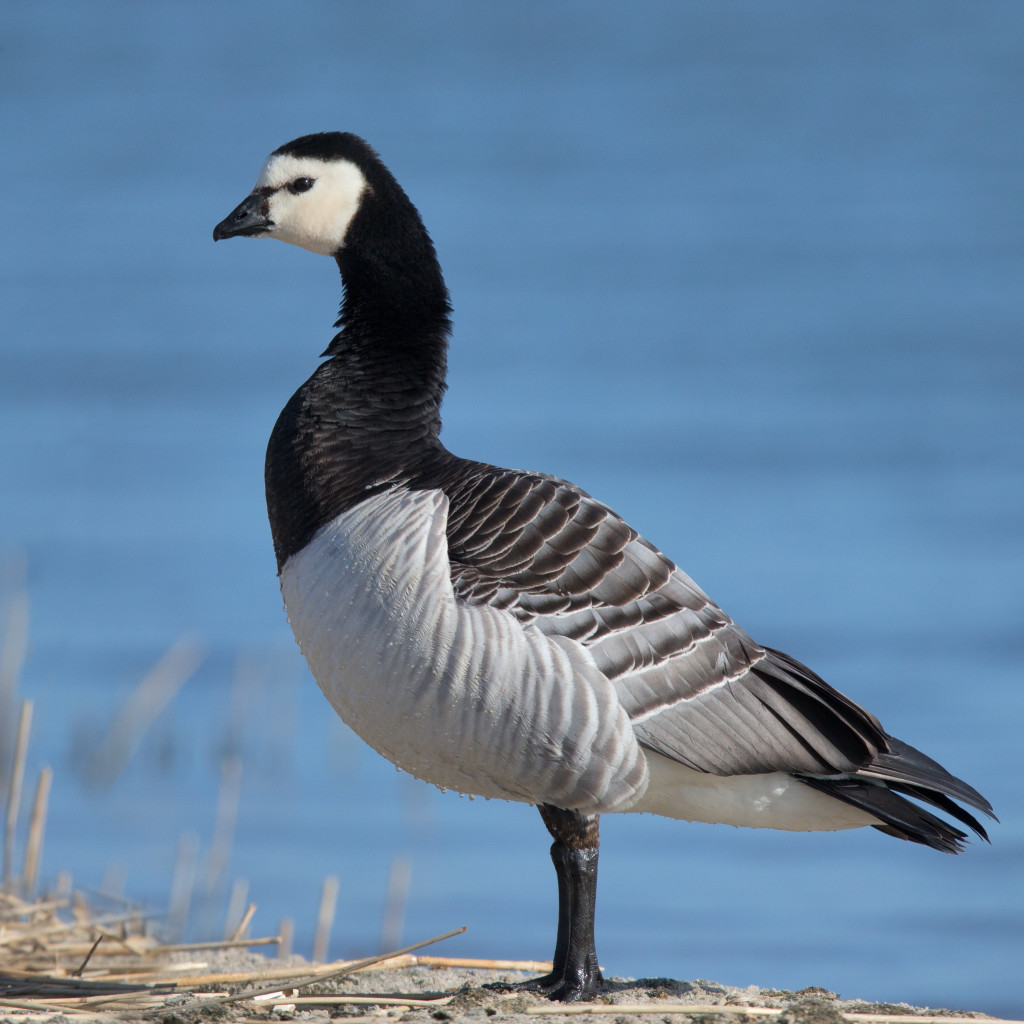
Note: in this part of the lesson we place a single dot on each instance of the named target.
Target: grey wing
(696, 688)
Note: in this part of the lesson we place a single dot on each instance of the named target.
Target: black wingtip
(906, 764)
(900, 817)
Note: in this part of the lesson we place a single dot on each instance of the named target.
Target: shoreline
(236, 985)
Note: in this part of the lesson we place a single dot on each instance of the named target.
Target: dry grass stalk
(238, 899)
(37, 943)
(278, 975)
(182, 883)
(14, 792)
(44, 1007)
(188, 947)
(243, 925)
(13, 650)
(156, 690)
(301, 980)
(394, 906)
(88, 963)
(325, 919)
(286, 930)
(77, 973)
(36, 831)
(228, 796)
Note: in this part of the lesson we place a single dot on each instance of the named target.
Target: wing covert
(695, 686)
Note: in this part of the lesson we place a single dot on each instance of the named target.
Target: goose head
(307, 193)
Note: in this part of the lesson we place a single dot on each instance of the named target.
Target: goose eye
(300, 185)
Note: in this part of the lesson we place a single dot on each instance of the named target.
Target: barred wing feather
(696, 688)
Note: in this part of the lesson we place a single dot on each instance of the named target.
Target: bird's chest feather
(462, 696)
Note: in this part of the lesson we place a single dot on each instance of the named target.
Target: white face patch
(318, 218)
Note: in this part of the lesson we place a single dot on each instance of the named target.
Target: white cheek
(316, 220)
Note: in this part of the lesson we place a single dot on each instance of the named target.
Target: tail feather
(944, 803)
(881, 788)
(904, 763)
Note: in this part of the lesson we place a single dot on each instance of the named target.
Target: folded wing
(695, 686)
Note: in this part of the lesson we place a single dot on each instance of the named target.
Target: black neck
(393, 343)
(370, 414)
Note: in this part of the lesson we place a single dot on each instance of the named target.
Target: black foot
(577, 988)
(570, 987)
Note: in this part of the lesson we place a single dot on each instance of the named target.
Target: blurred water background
(750, 273)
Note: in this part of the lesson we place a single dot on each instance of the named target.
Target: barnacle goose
(503, 633)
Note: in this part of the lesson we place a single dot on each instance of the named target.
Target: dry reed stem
(238, 899)
(325, 919)
(394, 904)
(182, 883)
(43, 1006)
(156, 690)
(13, 649)
(137, 945)
(77, 973)
(36, 831)
(187, 947)
(14, 793)
(149, 972)
(298, 981)
(239, 932)
(533, 966)
(228, 796)
(286, 929)
(173, 974)
(24, 908)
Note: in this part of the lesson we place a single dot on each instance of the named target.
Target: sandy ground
(461, 996)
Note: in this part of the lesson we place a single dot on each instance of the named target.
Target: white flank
(463, 696)
(774, 800)
(466, 697)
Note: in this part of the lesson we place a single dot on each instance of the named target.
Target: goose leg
(575, 972)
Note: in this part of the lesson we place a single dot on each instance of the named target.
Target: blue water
(784, 243)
